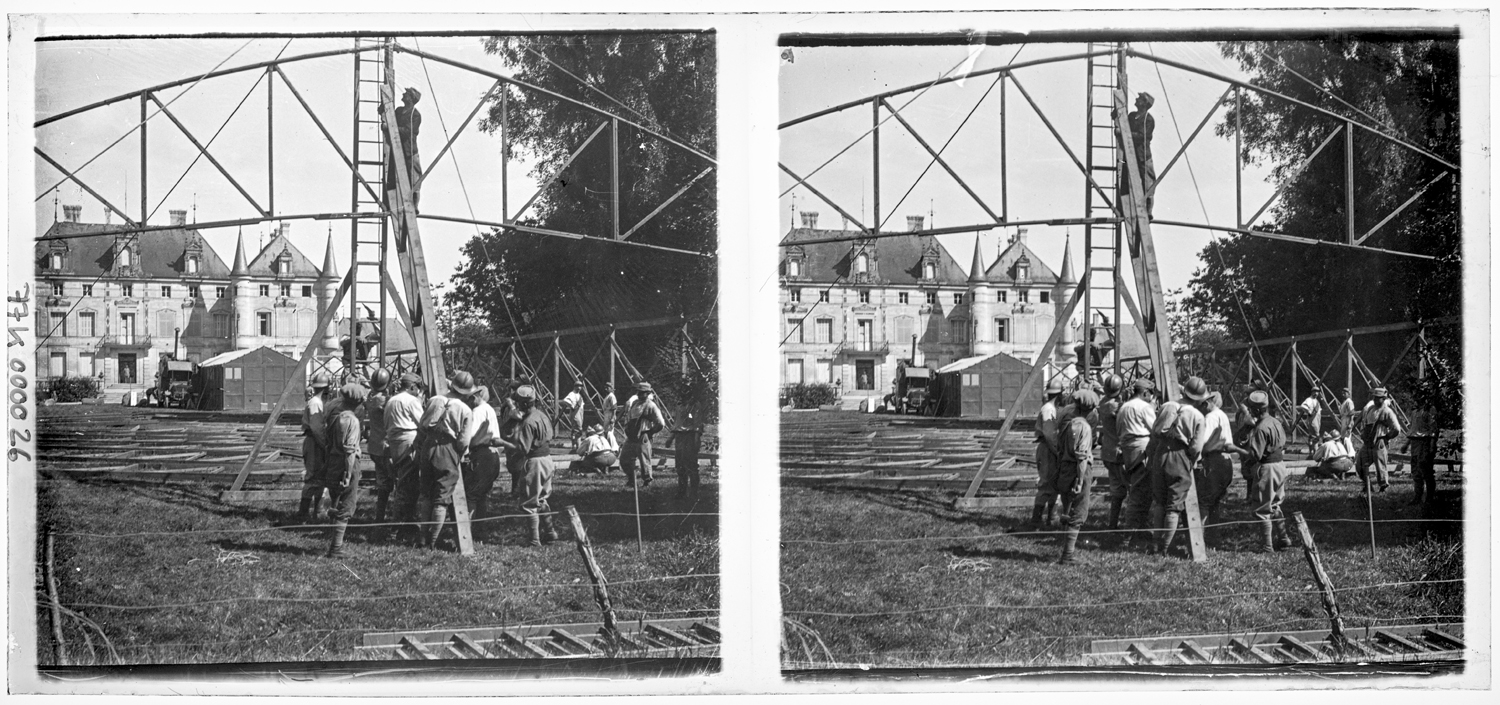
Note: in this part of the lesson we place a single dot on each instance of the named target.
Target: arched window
(862, 263)
(794, 268)
(929, 271)
(123, 259)
(192, 265)
(57, 260)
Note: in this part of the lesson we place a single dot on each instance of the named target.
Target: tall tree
(521, 283)
(1266, 288)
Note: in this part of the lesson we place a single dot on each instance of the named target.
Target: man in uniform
(1334, 456)
(1142, 126)
(532, 436)
(314, 428)
(1177, 441)
(1263, 450)
(688, 438)
(1311, 409)
(597, 452)
(373, 413)
(643, 419)
(607, 408)
(1074, 474)
(408, 125)
(571, 408)
(441, 445)
(1216, 473)
(1346, 413)
(341, 472)
(1378, 427)
(1047, 428)
(1133, 425)
(1109, 446)
(403, 411)
(485, 445)
(1421, 442)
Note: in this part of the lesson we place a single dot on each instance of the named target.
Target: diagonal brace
(558, 172)
(1058, 136)
(1403, 206)
(82, 185)
(825, 199)
(454, 138)
(666, 203)
(207, 155)
(939, 159)
(1292, 178)
(326, 135)
(1183, 149)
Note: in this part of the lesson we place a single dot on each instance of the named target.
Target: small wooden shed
(251, 380)
(984, 386)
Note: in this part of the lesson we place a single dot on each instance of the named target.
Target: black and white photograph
(373, 353)
(1133, 351)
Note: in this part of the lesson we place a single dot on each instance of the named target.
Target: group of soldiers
(1156, 453)
(423, 445)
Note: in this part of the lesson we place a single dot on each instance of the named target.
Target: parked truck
(174, 378)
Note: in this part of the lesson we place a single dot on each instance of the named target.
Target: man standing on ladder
(409, 124)
(1142, 125)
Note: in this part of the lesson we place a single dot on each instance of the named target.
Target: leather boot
(534, 533)
(1267, 537)
(382, 503)
(439, 517)
(423, 529)
(549, 534)
(336, 545)
(317, 506)
(303, 507)
(1069, 544)
(477, 508)
(1169, 531)
(1036, 515)
(1280, 538)
(1114, 512)
(1051, 513)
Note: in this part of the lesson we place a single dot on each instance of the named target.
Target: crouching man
(597, 452)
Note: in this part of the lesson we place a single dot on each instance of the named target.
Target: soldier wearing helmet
(341, 470)
(1177, 441)
(1075, 464)
(1109, 445)
(442, 442)
(1133, 426)
(314, 441)
(374, 424)
(1047, 441)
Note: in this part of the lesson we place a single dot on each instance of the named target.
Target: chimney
(810, 220)
(846, 222)
(1020, 237)
(71, 213)
(285, 230)
(178, 217)
(913, 223)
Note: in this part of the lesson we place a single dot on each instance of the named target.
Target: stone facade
(852, 310)
(115, 303)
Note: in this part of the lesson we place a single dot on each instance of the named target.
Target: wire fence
(1085, 532)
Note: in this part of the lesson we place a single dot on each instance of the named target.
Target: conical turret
(240, 269)
(1061, 292)
(976, 267)
(330, 266)
(328, 287)
(981, 307)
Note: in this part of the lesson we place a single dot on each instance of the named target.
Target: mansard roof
(163, 253)
(898, 259)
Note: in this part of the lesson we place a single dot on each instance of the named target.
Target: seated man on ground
(1335, 457)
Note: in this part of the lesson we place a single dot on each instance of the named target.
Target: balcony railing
(863, 347)
(126, 340)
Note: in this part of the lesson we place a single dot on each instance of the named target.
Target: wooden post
(1295, 403)
(556, 377)
(1349, 177)
(1325, 586)
(596, 576)
(59, 652)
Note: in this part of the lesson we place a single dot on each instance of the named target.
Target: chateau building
(852, 310)
(111, 304)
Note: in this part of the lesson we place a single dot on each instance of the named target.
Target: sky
(309, 175)
(1043, 181)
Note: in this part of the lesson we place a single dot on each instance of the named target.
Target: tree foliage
(1261, 288)
(517, 283)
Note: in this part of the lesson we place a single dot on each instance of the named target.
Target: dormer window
(283, 264)
(862, 264)
(794, 267)
(1023, 269)
(56, 262)
(122, 257)
(192, 265)
(929, 270)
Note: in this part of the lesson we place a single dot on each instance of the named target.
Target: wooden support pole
(614, 176)
(556, 378)
(596, 576)
(1296, 372)
(875, 164)
(1325, 586)
(286, 394)
(59, 649)
(1038, 370)
(1349, 177)
(144, 207)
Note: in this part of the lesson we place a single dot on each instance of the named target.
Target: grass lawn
(219, 586)
(954, 590)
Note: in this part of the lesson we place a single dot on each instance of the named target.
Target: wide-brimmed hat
(1194, 388)
(462, 382)
(644, 387)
